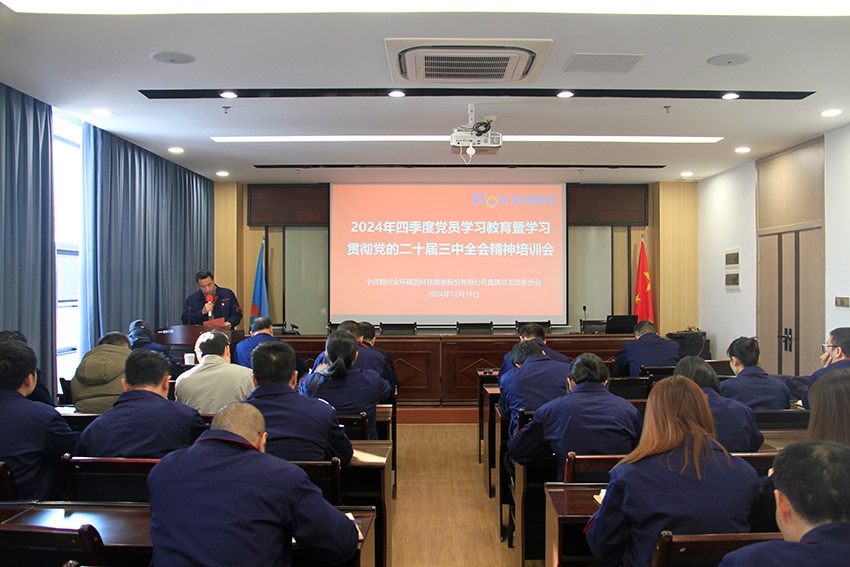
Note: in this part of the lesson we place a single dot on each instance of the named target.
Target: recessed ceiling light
(687, 174)
(742, 150)
(222, 173)
(396, 94)
(831, 112)
(101, 112)
(172, 57)
(730, 96)
(728, 59)
(565, 94)
(228, 94)
(175, 150)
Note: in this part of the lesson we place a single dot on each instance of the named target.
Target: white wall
(837, 199)
(727, 219)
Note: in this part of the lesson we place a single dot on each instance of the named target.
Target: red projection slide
(442, 253)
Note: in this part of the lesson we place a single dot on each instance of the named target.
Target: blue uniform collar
(274, 389)
(11, 394)
(754, 371)
(836, 531)
(589, 388)
(227, 437)
(131, 395)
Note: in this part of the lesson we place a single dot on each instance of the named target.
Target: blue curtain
(148, 227)
(27, 260)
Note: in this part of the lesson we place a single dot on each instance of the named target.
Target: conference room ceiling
(327, 74)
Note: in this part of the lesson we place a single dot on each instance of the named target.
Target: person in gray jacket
(97, 382)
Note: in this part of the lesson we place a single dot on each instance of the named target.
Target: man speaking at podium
(211, 302)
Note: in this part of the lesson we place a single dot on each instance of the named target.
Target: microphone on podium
(210, 300)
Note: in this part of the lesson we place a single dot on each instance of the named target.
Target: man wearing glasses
(834, 357)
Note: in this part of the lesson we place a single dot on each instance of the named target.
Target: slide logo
(493, 201)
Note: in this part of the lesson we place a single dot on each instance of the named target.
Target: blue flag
(260, 301)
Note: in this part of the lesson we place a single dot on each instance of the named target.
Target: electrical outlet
(842, 301)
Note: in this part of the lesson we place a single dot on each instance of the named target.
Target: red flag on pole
(643, 289)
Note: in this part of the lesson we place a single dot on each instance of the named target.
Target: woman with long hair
(678, 478)
(752, 386)
(339, 382)
(829, 398)
(734, 423)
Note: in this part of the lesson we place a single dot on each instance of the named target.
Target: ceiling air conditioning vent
(478, 61)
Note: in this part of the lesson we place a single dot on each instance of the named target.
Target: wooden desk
(486, 377)
(568, 508)
(386, 421)
(76, 420)
(366, 482)
(776, 439)
(530, 506)
(503, 421)
(443, 368)
(124, 528)
(491, 395)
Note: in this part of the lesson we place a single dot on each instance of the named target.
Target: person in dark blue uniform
(299, 428)
(41, 393)
(533, 332)
(34, 435)
(812, 480)
(835, 356)
(141, 336)
(589, 421)
(538, 379)
(142, 423)
(648, 350)
(367, 332)
(751, 385)
(262, 332)
(367, 358)
(224, 303)
(223, 501)
(678, 478)
(343, 383)
(734, 423)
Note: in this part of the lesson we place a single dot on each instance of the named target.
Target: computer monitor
(620, 324)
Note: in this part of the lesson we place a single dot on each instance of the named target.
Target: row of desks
(124, 528)
(369, 479)
(576, 504)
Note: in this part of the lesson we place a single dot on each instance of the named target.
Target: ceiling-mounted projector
(485, 144)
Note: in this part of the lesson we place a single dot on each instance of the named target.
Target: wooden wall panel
(790, 192)
(677, 263)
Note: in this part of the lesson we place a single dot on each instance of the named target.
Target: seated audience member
(97, 383)
(262, 332)
(41, 393)
(648, 350)
(678, 478)
(142, 337)
(812, 480)
(214, 382)
(533, 332)
(367, 359)
(537, 379)
(348, 387)
(223, 501)
(830, 400)
(367, 331)
(589, 421)
(734, 423)
(143, 423)
(836, 356)
(34, 435)
(299, 428)
(751, 385)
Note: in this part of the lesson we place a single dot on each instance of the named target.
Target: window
(68, 235)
